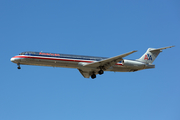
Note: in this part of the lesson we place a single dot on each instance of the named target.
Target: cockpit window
(23, 53)
(27, 53)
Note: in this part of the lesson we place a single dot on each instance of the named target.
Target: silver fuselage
(75, 61)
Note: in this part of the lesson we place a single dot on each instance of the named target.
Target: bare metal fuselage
(89, 65)
(123, 66)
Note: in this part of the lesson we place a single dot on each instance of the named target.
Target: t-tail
(151, 55)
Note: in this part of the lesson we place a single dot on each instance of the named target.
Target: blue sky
(97, 28)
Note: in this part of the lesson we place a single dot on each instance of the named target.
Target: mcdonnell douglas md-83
(89, 66)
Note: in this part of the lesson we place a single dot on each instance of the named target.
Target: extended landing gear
(18, 66)
(93, 76)
(101, 72)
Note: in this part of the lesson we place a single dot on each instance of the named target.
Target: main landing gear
(93, 76)
(100, 72)
(18, 66)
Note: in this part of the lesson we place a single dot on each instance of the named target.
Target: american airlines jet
(89, 66)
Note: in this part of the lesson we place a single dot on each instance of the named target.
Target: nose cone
(12, 59)
(15, 60)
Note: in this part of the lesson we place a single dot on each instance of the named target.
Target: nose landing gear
(18, 66)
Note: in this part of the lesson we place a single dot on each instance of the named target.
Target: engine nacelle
(132, 63)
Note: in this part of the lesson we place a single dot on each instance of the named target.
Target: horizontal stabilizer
(151, 54)
(159, 49)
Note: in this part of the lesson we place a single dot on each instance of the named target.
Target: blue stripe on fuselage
(64, 56)
(71, 57)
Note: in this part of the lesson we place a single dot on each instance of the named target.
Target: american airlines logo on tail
(148, 57)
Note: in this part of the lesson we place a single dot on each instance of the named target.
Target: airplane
(89, 66)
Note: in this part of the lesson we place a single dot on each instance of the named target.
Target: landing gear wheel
(93, 76)
(101, 72)
(18, 66)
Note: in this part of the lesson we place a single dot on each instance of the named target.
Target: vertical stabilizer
(151, 55)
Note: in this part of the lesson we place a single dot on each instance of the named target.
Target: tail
(151, 55)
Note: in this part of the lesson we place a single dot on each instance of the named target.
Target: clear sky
(98, 28)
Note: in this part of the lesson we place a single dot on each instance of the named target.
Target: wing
(90, 68)
(108, 62)
(85, 73)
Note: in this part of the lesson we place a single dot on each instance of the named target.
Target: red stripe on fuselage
(59, 59)
(48, 58)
